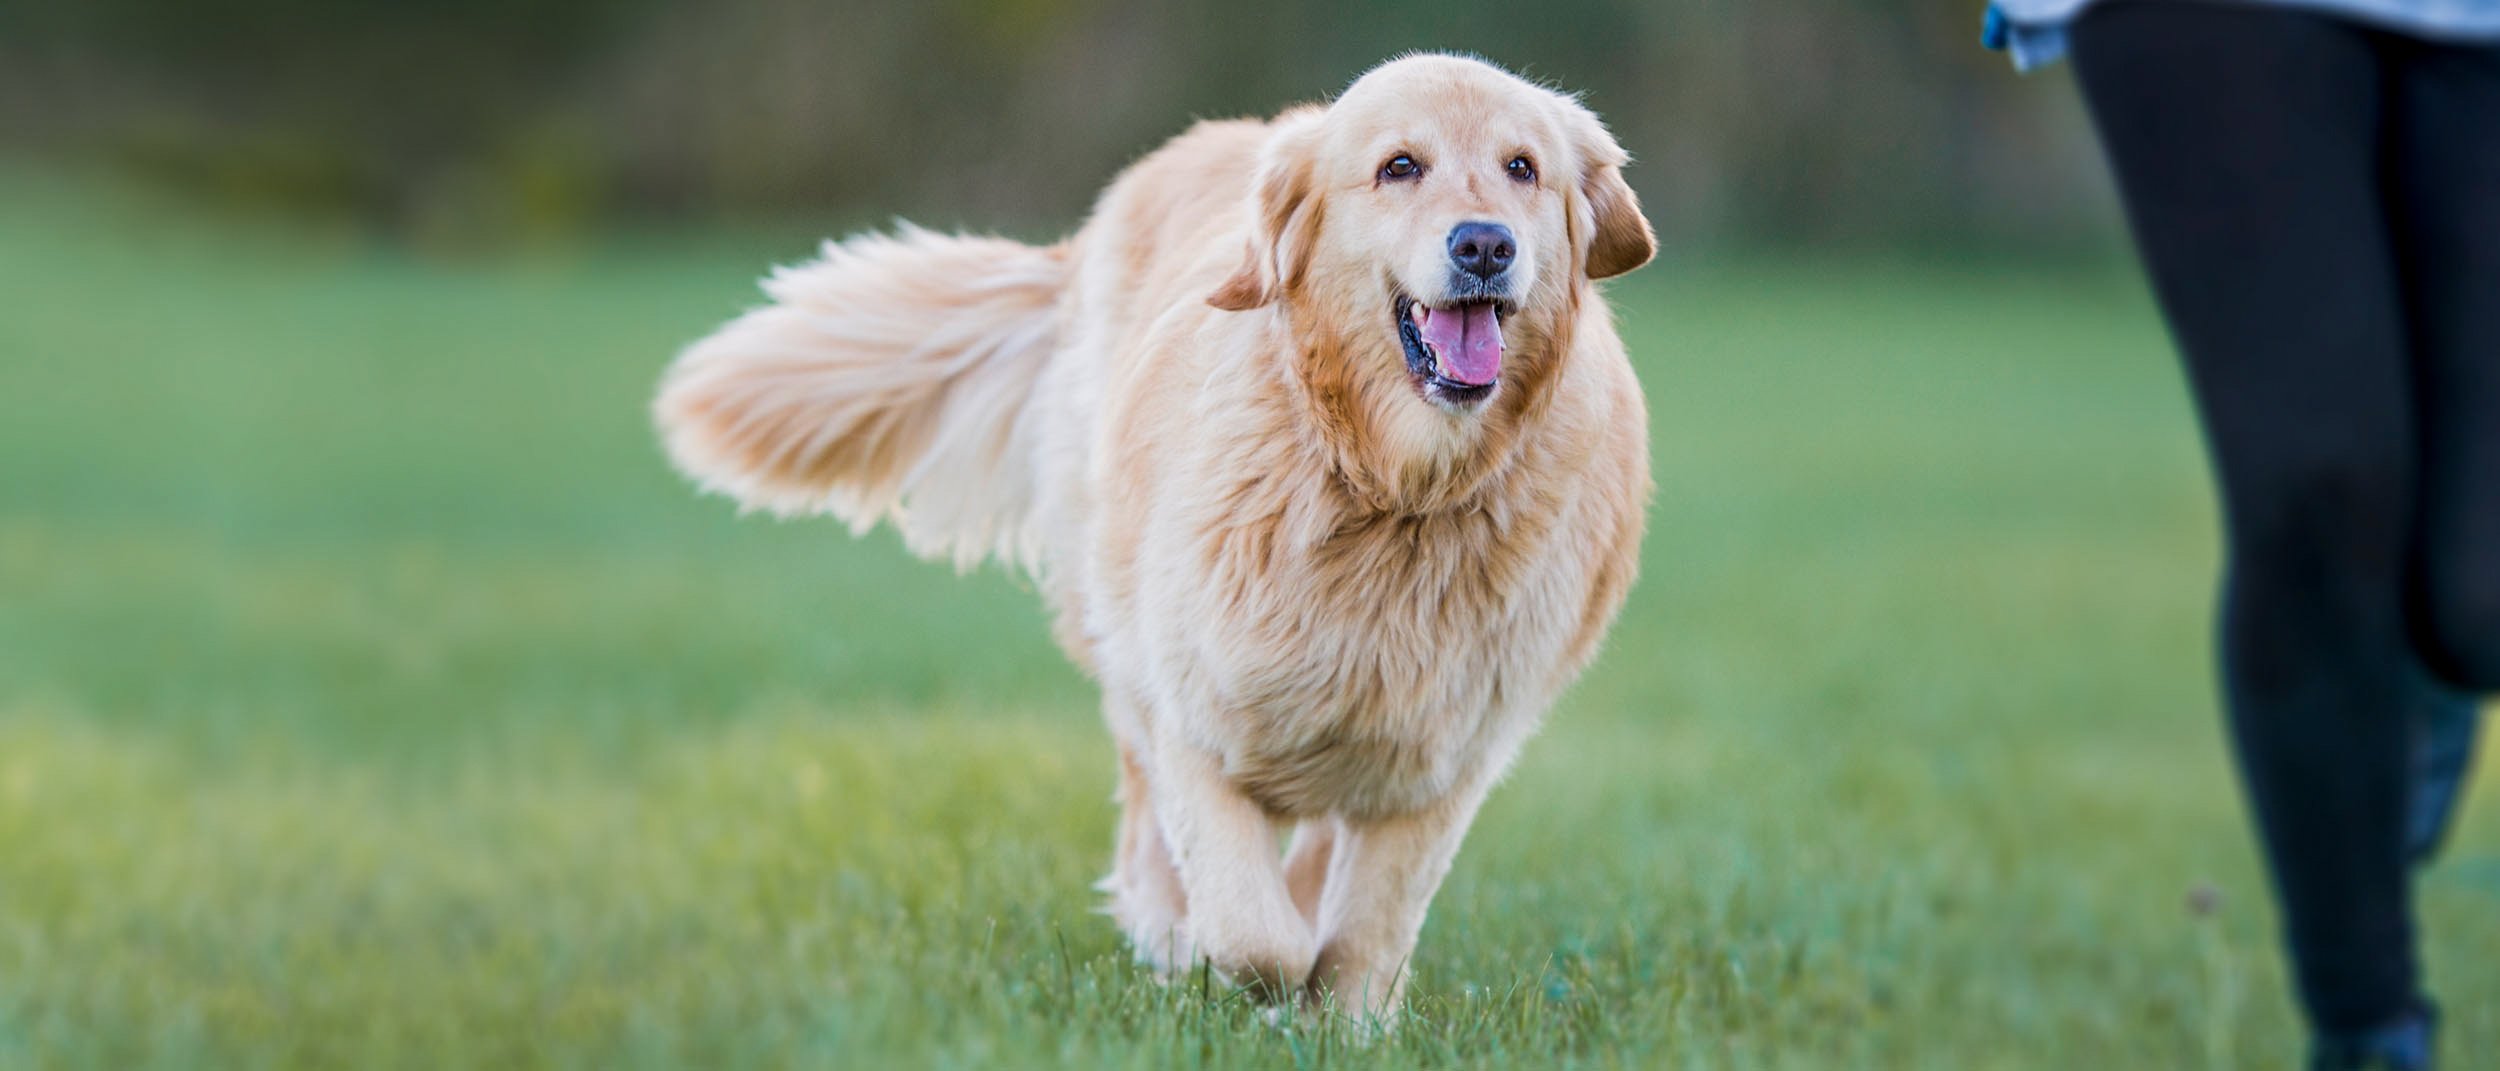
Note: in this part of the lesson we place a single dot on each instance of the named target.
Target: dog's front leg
(1381, 879)
(1241, 918)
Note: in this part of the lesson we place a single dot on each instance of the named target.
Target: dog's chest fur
(1378, 703)
(1350, 661)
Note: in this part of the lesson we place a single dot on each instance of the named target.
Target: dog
(1322, 447)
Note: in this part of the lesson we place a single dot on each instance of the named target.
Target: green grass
(371, 695)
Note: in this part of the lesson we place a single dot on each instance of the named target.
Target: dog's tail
(891, 378)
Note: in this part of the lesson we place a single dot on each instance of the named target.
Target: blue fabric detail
(2033, 32)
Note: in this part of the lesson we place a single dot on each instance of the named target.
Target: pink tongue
(1466, 342)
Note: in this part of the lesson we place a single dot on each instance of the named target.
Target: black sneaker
(2404, 1045)
(2443, 747)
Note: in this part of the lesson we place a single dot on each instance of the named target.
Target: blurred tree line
(1801, 122)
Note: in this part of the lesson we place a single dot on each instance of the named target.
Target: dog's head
(1449, 208)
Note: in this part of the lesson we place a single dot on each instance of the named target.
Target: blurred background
(474, 124)
(372, 694)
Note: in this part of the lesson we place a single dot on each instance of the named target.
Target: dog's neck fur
(1393, 453)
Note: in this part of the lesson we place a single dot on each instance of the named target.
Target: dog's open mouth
(1455, 352)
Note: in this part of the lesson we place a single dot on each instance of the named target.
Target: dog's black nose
(1482, 249)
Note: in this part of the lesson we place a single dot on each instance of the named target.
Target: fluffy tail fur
(891, 378)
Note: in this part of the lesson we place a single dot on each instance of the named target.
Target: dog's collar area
(1425, 366)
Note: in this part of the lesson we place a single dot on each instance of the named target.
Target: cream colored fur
(888, 380)
(1314, 597)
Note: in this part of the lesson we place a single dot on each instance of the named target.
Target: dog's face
(1450, 207)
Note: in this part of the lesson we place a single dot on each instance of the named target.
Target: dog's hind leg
(1306, 864)
(1144, 889)
(1241, 918)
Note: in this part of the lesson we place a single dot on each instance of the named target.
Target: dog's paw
(1165, 949)
(1273, 962)
(1370, 996)
(1157, 932)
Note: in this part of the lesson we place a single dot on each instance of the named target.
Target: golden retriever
(1318, 440)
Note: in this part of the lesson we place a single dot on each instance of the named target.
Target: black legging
(2318, 204)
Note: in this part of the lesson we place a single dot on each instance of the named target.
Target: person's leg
(2246, 144)
(2444, 170)
(2444, 174)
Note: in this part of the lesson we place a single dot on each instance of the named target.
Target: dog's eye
(1521, 169)
(1401, 166)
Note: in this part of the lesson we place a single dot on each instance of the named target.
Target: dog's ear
(1607, 215)
(1285, 216)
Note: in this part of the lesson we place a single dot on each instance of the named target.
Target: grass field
(371, 695)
